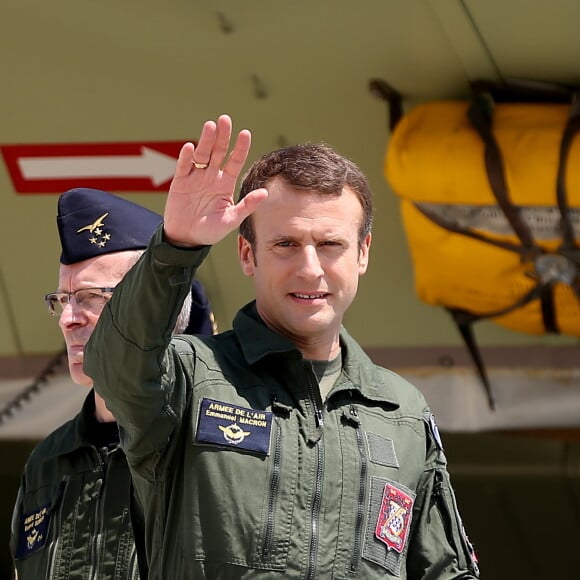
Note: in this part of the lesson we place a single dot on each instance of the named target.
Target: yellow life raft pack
(490, 200)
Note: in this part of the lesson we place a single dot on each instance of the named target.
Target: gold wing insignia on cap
(96, 224)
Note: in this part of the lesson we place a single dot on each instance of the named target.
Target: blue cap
(201, 319)
(92, 222)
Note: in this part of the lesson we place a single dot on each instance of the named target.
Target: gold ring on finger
(199, 165)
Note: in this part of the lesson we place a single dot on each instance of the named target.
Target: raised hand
(200, 208)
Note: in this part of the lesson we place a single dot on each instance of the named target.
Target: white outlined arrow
(149, 164)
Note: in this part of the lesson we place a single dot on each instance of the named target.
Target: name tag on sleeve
(33, 532)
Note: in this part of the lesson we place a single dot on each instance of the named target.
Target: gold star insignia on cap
(98, 236)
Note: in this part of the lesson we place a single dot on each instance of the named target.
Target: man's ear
(363, 261)
(246, 255)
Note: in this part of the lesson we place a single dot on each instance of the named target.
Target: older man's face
(78, 321)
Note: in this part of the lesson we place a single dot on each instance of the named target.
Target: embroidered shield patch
(394, 518)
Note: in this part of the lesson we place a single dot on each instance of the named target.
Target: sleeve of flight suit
(30, 536)
(439, 548)
(16, 519)
(129, 357)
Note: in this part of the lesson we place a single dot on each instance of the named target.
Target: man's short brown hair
(314, 167)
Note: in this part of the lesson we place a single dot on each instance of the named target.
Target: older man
(72, 515)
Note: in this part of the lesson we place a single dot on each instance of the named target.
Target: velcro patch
(234, 426)
(33, 532)
(394, 518)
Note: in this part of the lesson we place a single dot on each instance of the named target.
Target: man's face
(78, 321)
(307, 261)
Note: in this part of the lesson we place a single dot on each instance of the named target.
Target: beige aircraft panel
(291, 71)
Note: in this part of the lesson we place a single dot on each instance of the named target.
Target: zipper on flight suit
(278, 408)
(314, 396)
(103, 456)
(449, 514)
(316, 399)
(315, 511)
(351, 416)
(133, 568)
(273, 490)
(53, 547)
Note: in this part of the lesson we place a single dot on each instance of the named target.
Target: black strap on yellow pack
(394, 99)
(546, 273)
(480, 114)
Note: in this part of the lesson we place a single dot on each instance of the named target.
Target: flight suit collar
(360, 373)
(258, 341)
(81, 431)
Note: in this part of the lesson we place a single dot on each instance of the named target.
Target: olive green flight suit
(71, 518)
(240, 468)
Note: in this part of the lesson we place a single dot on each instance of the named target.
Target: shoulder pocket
(452, 522)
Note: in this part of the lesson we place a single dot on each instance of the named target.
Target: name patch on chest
(234, 426)
(33, 532)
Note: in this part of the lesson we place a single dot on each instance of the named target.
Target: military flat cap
(201, 318)
(92, 222)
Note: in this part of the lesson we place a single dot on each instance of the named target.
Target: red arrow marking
(55, 168)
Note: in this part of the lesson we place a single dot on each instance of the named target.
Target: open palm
(200, 208)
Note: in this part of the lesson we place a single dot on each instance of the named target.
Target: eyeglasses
(92, 299)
